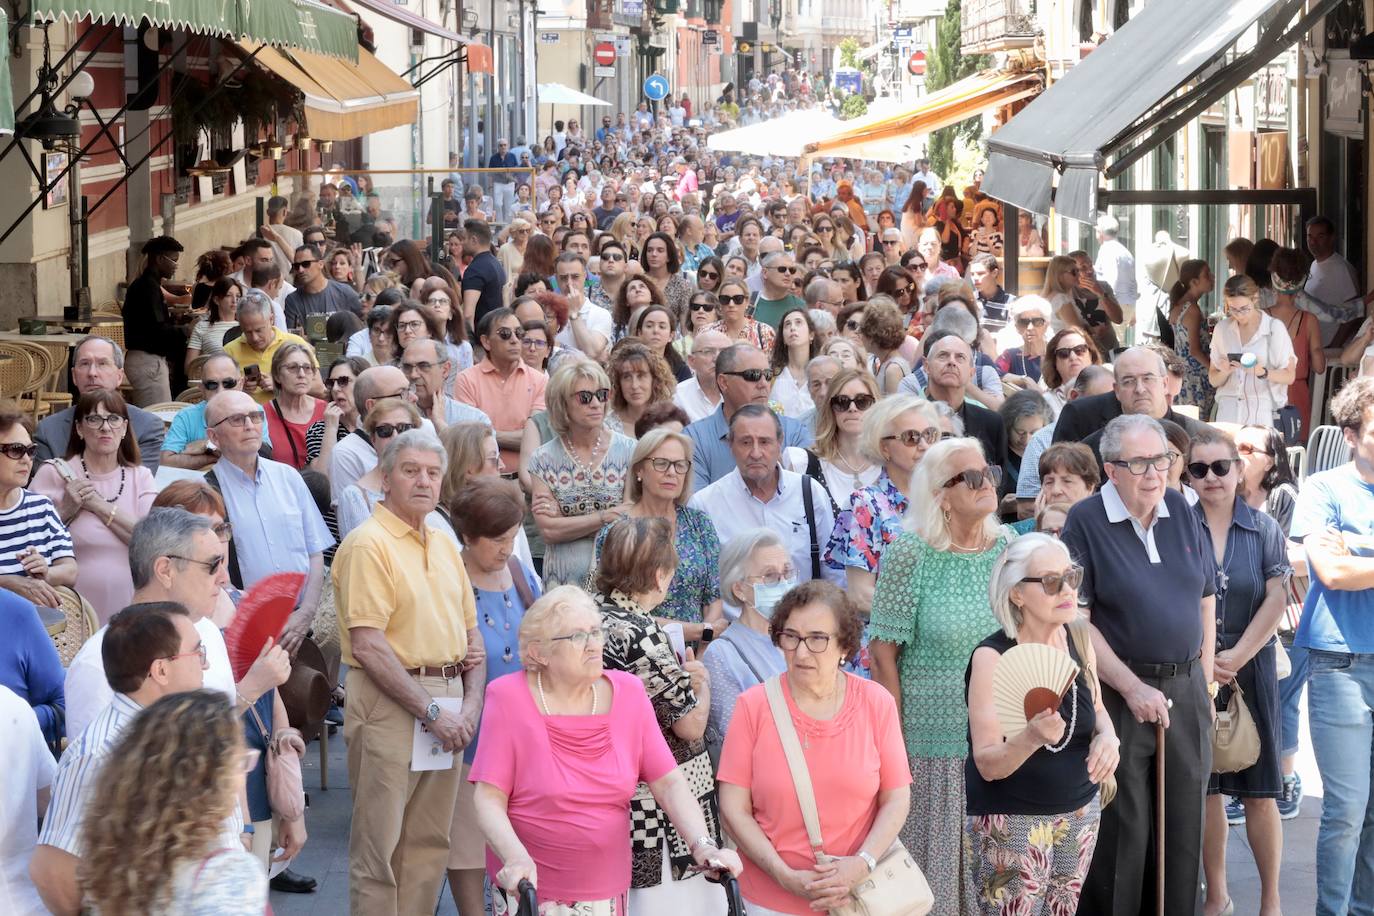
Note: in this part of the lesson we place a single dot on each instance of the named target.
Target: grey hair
(118, 351)
(1108, 225)
(1118, 427)
(750, 412)
(956, 422)
(254, 302)
(816, 290)
(1010, 567)
(541, 617)
(1089, 374)
(163, 532)
(768, 259)
(822, 321)
(737, 555)
(418, 440)
(730, 357)
(883, 414)
(1132, 351)
(818, 360)
(1022, 304)
(925, 514)
(955, 318)
(1028, 402)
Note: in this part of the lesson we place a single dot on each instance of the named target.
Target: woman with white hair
(1033, 795)
(930, 610)
(1031, 316)
(568, 729)
(755, 572)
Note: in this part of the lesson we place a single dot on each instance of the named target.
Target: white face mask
(766, 597)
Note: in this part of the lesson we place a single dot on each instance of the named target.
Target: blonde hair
(926, 515)
(560, 387)
(1053, 271)
(465, 444)
(883, 414)
(541, 617)
(827, 429)
(386, 405)
(646, 446)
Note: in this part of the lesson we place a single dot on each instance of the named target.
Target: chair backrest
(111, 330)
(1297, 460)
(193, 395)
(1326, 449)
(81, 624)
(18, 374)
(167, 410)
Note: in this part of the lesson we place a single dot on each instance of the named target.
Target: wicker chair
(167, 410)
(81, 624)
(193, 395)
(16, 371)
(112, 330)
(46, 368)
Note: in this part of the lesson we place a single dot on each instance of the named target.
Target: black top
(485, 275)
(1158, 624)
(986, 426)
(1082, 417)
(1046, 783)
(146, 324)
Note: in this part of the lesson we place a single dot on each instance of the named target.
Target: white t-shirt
(1331, 281)
(88, 692)
(596, 318)
(693, 401)
(29, 767)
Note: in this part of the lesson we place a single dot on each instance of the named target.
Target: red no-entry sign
(604, 54)
(917, 63)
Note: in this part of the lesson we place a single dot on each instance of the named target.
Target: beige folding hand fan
(1029, 678)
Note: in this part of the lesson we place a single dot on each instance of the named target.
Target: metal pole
(1011, 249)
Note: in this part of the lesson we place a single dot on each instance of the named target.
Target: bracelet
(702, 840)
(110, 518)
(871, 862)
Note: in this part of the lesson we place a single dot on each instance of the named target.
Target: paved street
(326, 855)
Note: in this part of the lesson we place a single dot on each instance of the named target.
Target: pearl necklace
(848, 468)
(544, 701)
(577, 461)
(123, 471)
(1073, 721)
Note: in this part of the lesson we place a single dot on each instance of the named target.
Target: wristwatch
(871, 862)
(702, 840)
(432, 712)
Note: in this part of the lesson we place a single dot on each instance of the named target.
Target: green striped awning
(303, 24)
(6, 89)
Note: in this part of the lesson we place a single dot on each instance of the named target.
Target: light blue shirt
(1028, 481)
(1337, 500)
(277, 527)
(189, 426)
(711, 456)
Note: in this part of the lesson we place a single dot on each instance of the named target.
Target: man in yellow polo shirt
(408, 629)
(259, 341)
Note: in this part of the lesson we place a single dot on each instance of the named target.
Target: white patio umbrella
(783, 136)
(552, 94)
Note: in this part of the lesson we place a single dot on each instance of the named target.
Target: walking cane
(1159, 816)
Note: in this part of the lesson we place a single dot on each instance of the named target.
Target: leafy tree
(946, 66)
(854, 107)
(849, 53)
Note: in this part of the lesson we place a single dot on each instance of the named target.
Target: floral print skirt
(934, 833)
(1031, 864)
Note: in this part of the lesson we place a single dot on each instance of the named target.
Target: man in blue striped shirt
(150, 651)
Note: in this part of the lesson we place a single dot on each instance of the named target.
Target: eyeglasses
(342, 381)
(1053, 583)
(975, 479)
(508, 333)
(531, 342)
(439, 300)
(240, 420)
(891, 241)
(752, 376)
(1198, 469)
(298, 368)
(1138, 466)
(1148, 380)
(103, 421)
(210, 384)
(1066, 352)
(1246, 449)
(224, 531)
(586, 397)
(707, 275)
(410, 325)
(825, 228)
(210, 566)
(580, 638)
(302, 265)
(16, 450)
(917, 265)
(1032, 322)
(422, 366)
(788, 640)
(198, 650)
(843, 402)
(733, 300)
(387, 430)
(663, 465)
(785, 269)
(912, 436)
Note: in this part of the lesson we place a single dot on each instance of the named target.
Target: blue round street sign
(656, 87)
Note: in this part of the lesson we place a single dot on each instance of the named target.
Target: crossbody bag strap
(809, 507)
(290, 440)
(796, 763)
(235, 576)
(1087, 656)
(517, 578)
(726, 640)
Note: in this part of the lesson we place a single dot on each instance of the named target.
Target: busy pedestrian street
(686, 457)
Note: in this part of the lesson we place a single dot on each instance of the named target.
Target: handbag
(896, 887)
(1083, 646)
(285, 788)
(1235, 740)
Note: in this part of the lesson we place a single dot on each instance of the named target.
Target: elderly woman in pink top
(556, 773)
(851, 739)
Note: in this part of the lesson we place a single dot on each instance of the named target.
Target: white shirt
(1117, 512)
(793, 395)
(693, 400)
(1244, 397)
(595, 318)
(733, 509)
(359, 344)
(1331, 281)
(29, 767)
(354, 456)
(88, 692)
(1116, 266)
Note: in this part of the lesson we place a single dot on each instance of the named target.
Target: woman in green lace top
(930, 609)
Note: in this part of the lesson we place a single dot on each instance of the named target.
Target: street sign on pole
(604, 54)
(916, 64)
(603, 72)
(656, 87)
(710, 37)
(622, 46)
(548, 38)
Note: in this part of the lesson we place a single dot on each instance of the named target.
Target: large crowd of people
(662, 452)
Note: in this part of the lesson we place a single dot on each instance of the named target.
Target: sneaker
(1290, 803)
(1235, 812)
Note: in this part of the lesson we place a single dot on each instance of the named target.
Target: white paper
(426, 751)
(677, 640)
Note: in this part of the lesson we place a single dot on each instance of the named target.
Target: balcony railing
(996, 25)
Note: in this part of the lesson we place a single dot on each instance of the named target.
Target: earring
(945, 513)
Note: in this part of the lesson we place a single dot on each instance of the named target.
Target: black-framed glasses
(613, 256)
(917, 265)
(210, 566)
(342, 381)
(788, 640)
(507, 334)
(387, 430)
(1198, 469)
(415, 325)
(533, 343)
(663, 465)
(1066, 352)
(852, 324)
(912, 436)
(752, 376)
(1053, 583)
(707, 275)
(702, 307)
(210, 384)
(975, 478)
(580, 638)
(586, 397)
(1035, 321)
(103, 421)
(1139, 466)
(733, 300)
(860, 402)
(240, 420)
(17, 450)
(892, 241)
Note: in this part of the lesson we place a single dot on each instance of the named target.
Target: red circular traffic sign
(917, 63)
(604, 54)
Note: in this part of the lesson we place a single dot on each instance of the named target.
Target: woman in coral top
(852, 742)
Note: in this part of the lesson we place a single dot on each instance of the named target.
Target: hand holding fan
(1030, 678)
(261, 615)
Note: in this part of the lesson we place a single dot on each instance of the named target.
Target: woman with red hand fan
(1033, 805)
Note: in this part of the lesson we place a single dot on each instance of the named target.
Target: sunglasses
(211, 566)
(1053, 583)
(302, 265)
(228, 384)
(387, 430)
(1245, 449)
(975, 479)
(917, 265)
(702, 307)
(912, 436)
(825, 228)
(507, 334)
(1198, 469)
(733, 300)
(891, 241)
(861, 402)
(707, 275)
(1066, 352)
(786, 269)
(752, 375)
(17, 451)
(613, 257)
(1035, 322)
(342, 381)
(586, 397)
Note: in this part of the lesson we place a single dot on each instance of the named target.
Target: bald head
(227, 404)
(377, 383)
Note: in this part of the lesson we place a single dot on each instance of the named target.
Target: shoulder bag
(896, 887)
(1235, 740)
(1087, 656)
(285, 789)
